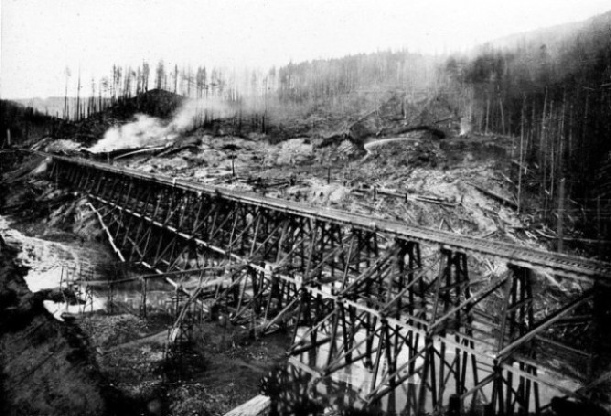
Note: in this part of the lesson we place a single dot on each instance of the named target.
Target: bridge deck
(560, 264)
(359, 286)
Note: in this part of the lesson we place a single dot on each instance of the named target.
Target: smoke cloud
(146, 131)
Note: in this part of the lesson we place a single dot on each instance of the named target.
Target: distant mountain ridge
(552, 36)
(53, 106)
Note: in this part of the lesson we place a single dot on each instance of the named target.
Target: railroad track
(340, 274)
(559, 264)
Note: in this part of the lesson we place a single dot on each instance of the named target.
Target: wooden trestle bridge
(367, 290)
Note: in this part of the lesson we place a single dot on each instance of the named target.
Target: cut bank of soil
(47, 367)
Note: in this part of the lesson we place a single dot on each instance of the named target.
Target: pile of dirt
(412, 152)
(62, 145)
(321, 193)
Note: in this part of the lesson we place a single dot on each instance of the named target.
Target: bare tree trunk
(560, 221)
(66, 109)
(599, 225)
(542, 136)
(78, 97)
(552, 168)
(521, 161)
(582, 146)
(502, 116)
(487, 115)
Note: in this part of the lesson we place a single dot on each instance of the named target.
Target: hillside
(23, 123)
(554, 37)
(551, 92)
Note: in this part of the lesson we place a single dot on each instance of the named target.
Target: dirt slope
(46, 367)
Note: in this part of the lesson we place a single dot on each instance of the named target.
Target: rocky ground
(415, 178)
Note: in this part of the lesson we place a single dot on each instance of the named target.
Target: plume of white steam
(143, 132)
(147, 131)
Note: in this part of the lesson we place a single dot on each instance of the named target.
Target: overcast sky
(41, 37)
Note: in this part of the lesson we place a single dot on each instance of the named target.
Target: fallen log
(257, 406)
(404, 196)
(495, 196)
(407, 129)
(439, 201)
(176, 149)
(520, 166)
(138, 152)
